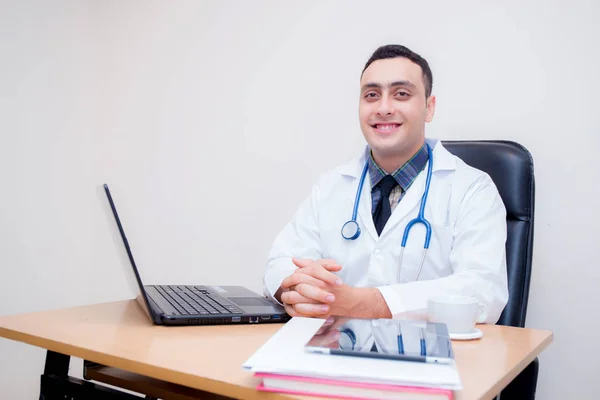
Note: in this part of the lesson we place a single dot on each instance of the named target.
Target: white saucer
(476, 333)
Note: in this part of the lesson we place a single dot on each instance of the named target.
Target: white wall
(212, 119)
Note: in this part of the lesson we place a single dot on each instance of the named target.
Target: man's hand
(309, 291)
(314, 291)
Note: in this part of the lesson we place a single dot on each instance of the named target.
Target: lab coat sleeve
(477, 257)
(299, 238)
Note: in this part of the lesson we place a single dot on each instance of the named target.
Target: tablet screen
(384, 338)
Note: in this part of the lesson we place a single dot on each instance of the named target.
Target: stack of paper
(284, 366)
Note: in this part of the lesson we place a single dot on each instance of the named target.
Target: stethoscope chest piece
(350, 230)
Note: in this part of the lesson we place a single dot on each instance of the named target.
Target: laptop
(196, 304)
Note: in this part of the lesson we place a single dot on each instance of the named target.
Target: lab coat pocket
(438, 255)
(436, 262)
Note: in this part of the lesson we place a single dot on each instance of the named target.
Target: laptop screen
(122, 246)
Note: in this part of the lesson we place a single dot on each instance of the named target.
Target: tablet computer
(405, 340)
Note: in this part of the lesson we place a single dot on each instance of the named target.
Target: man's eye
(370, 95)
(402, 94)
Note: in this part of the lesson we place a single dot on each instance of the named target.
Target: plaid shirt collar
(405, 175)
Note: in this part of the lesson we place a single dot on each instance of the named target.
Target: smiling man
(341, 253)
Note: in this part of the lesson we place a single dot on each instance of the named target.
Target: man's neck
(390, 163)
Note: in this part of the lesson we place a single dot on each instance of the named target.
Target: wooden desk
(120, 335)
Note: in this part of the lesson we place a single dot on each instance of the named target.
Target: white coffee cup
(459, 313)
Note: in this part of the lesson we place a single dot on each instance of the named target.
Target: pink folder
(411, 391)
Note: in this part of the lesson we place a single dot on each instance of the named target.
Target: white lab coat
(467, 251)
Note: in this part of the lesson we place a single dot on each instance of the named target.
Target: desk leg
(523, 387)
(57, 364)
(56, 384)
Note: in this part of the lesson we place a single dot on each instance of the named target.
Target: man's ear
(430, 111)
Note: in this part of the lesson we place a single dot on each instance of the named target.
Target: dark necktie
(383, 211)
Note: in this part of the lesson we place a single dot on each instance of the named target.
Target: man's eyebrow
(408, 84)
(371, 85)
(374, 85)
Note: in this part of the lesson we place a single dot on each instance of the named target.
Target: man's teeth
(387, 127)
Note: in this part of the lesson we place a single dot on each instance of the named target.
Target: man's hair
(396, 50)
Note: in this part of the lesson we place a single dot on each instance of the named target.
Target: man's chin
(386, 149)
(392, 146)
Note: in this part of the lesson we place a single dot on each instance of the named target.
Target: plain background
(212, 119)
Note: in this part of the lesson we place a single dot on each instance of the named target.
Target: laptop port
(236, 319)
(276, 317)
(253, 320)
(265, 317)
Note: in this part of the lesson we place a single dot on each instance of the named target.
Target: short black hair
(396, 50)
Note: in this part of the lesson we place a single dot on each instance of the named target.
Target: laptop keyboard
(192, 300)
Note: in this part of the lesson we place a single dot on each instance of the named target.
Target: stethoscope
(351, 230)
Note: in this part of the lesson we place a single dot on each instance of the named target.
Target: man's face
(393, 108)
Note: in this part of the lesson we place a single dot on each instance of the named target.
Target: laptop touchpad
(249, 301)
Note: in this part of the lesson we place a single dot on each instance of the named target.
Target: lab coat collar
(443, 160)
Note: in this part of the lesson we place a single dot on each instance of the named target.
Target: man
(315, 272)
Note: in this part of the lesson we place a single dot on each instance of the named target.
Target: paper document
(284, 353)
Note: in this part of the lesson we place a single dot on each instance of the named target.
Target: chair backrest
(510, 166)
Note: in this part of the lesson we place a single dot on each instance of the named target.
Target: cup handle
(480, 309)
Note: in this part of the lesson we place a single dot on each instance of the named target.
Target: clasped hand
(311, 290)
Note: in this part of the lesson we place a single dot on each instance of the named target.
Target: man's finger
(314, 293)
(292, 297)
(325, 261)
(319, 272)
(328, 263)
(311, 310)
(332, 267)
(297, 277)
(290, 310)
(302, 262)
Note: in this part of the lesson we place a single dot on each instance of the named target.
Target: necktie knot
(387, 184)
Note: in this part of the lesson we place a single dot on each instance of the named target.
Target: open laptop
(197, 304)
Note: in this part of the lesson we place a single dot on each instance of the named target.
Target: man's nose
(385, 107)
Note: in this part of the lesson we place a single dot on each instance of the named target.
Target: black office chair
(510, 166)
